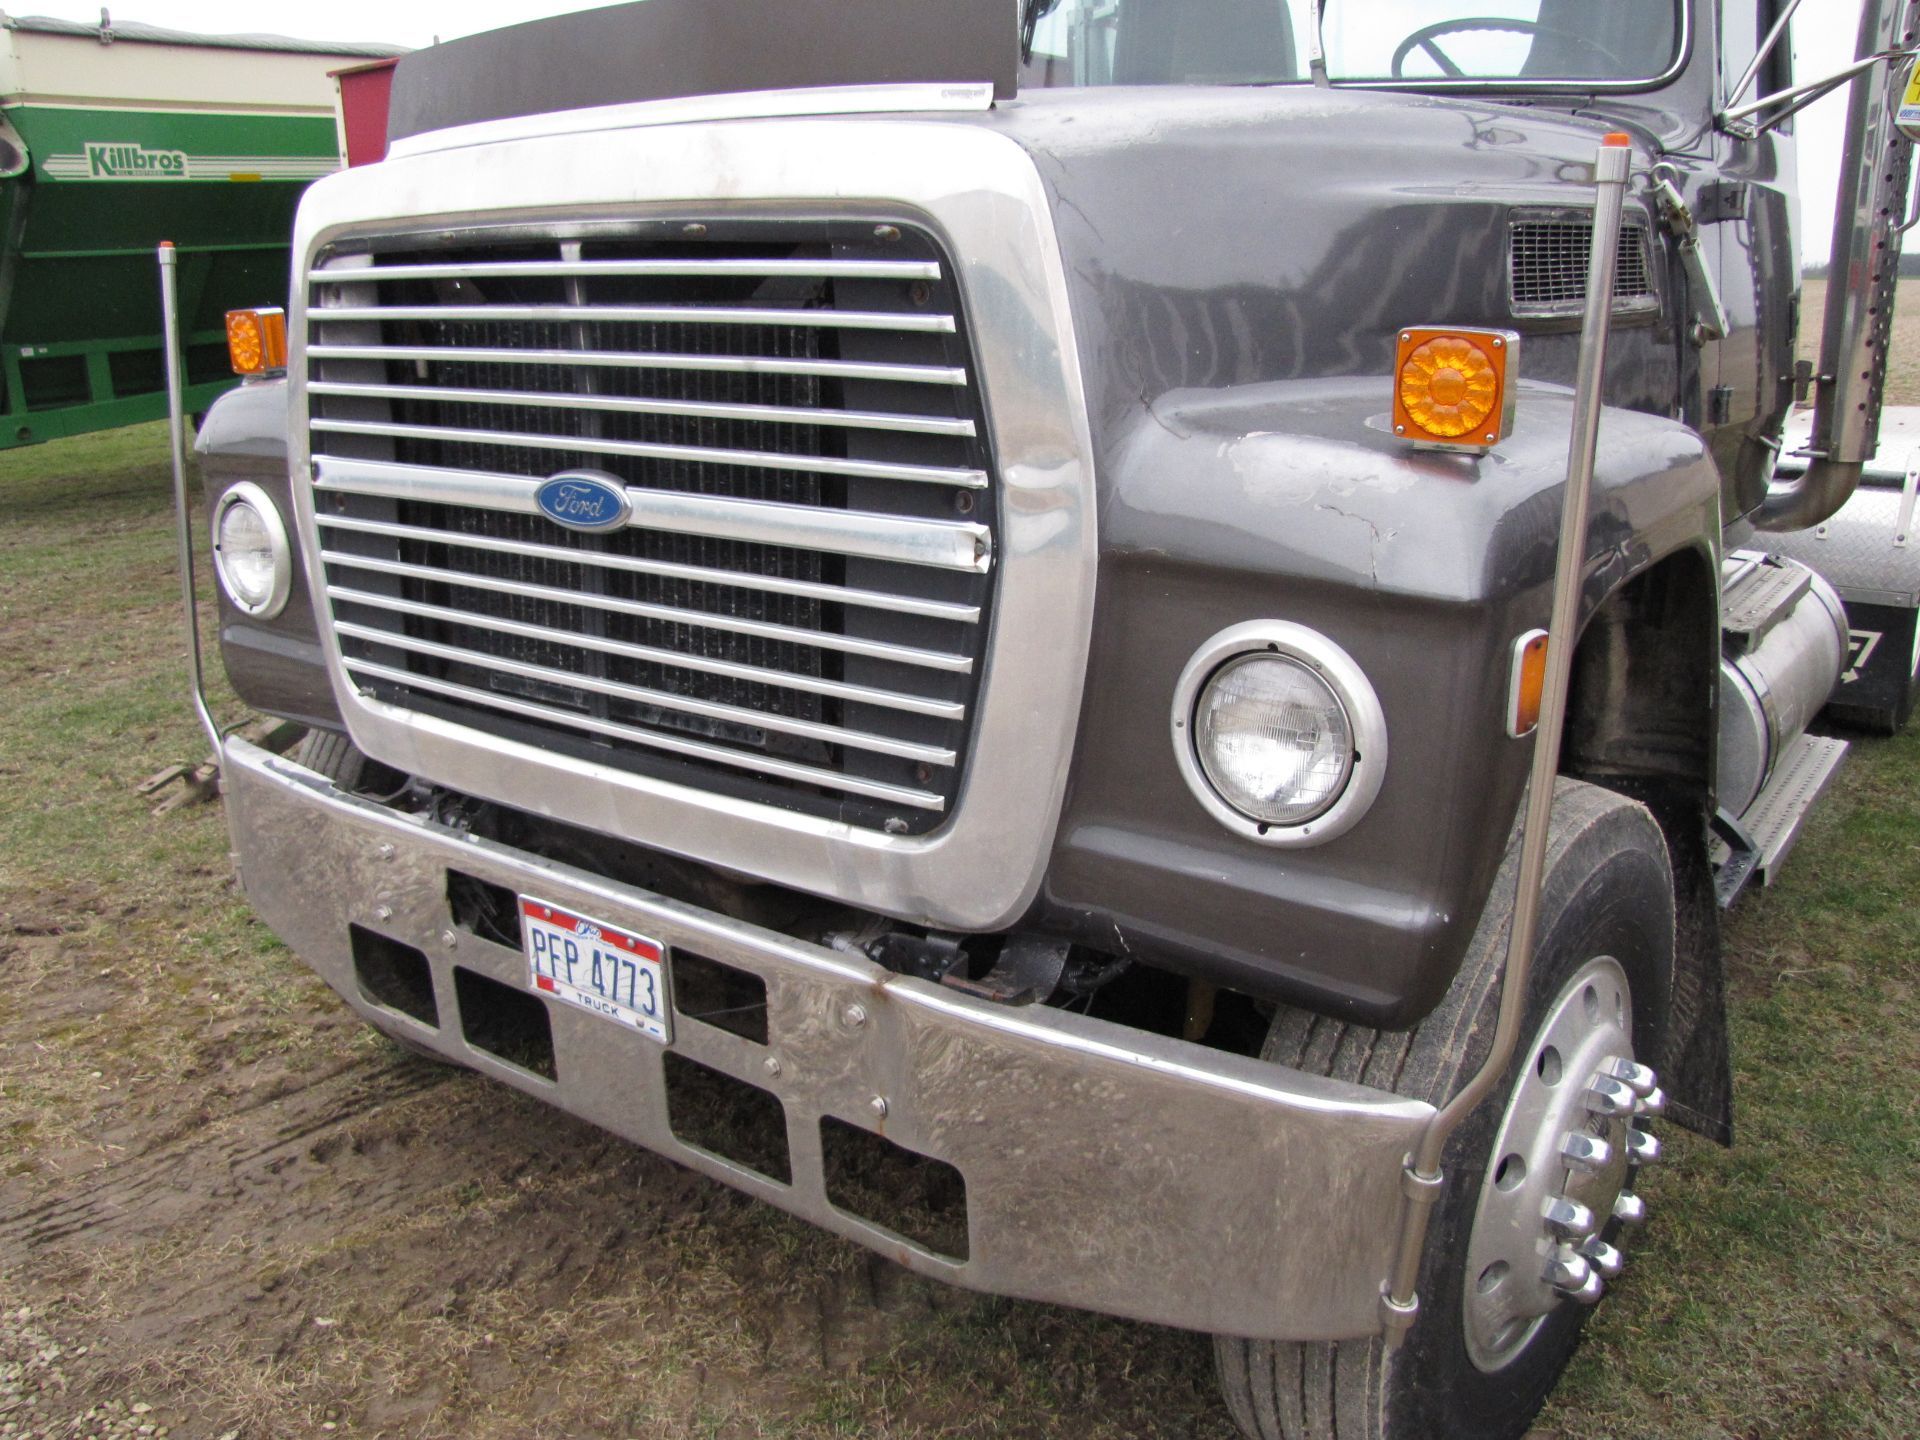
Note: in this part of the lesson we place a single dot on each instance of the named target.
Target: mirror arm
(1801, 95)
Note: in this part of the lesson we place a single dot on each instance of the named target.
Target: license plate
(597, 966)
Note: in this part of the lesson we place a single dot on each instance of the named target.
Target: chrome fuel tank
(1783, 639)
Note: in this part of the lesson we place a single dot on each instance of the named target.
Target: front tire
(1464, 1373)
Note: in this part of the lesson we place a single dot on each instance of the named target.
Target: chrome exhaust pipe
(1815, 494)
(1850, 382)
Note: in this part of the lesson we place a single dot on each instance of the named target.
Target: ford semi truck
(987, 595)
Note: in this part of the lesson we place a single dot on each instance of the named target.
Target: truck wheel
(1503, 1284)
(336, 757)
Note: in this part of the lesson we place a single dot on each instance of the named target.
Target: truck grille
(1548, 266)
(796, 611)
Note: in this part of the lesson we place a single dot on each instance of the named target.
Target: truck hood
(1215, 238)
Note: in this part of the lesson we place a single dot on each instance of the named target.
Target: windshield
(1264, 42)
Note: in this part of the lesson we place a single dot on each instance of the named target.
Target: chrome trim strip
(944, 544)
(782, 679)
(1144, 1132)
(695, 454)
(640, 695)
(621, 404)
(656, 739)
(667, 614)
(699, 574)
(649, 360)
(695, 109)
(588, 269)
(984, 199)
(643, 314)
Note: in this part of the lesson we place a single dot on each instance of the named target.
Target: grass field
(224, 1200)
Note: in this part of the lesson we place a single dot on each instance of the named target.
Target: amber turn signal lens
(257, 341)
(1527, 684)
(1451, 387)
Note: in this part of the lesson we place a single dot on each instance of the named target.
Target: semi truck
(1122, 648)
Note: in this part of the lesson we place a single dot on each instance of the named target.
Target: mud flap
(1696, 1069)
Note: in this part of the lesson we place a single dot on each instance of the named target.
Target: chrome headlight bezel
(1367, 724)
(281, 587)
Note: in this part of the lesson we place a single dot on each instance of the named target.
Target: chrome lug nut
(1603, 1257)
(1640, 1078)
(1654, 1102)
(1589, 1152)
(1642, 1148)
(1629, 1209)
(1610, 1097)
(1569, 1217)
(1572, 1275)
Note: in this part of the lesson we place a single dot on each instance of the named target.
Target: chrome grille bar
(677, 659)
(944, 544)
(590, 269)
(666, 614)
(656, 740)
(640, 314)
(772, 584)
(756, 414)
(664, 700)
(641, 450)
(646, 360)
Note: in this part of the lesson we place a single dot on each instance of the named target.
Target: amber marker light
(1452, 387)
(1527, 683)
(257, 341)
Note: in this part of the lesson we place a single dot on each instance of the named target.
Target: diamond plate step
(1777, 813)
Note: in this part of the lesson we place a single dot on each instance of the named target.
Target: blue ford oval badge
(584, 500)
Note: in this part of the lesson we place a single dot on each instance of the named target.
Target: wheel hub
(1559, 1167)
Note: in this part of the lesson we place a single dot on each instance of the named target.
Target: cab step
(1754, 846)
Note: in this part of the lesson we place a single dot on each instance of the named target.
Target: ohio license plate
(597, 966)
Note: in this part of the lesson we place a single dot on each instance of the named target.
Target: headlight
(1278, 733)
(1273, 739)
(250, 551)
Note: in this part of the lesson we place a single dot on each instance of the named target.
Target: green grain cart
(114, 137)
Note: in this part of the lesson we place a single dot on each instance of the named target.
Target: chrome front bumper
(1105, 1167)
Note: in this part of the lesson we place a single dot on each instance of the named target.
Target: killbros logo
(116, 162)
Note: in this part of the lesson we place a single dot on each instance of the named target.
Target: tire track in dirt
(153, 1187)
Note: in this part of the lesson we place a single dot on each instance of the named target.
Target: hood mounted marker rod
(183, 514)
(1423, 1178)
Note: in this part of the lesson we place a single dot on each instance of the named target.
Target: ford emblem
(584, 500)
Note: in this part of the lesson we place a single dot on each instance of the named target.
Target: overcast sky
(1819, 48)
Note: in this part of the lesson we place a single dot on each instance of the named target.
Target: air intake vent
(1547, 266)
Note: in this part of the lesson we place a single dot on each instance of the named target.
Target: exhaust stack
(1869, 215)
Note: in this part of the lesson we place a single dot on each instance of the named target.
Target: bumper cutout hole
(394, 975)
(508, 1024)
(734, 1120)
(489, 911)
(915, 1196)
(719, 995)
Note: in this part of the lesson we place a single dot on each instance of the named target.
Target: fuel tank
(1784, 640)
